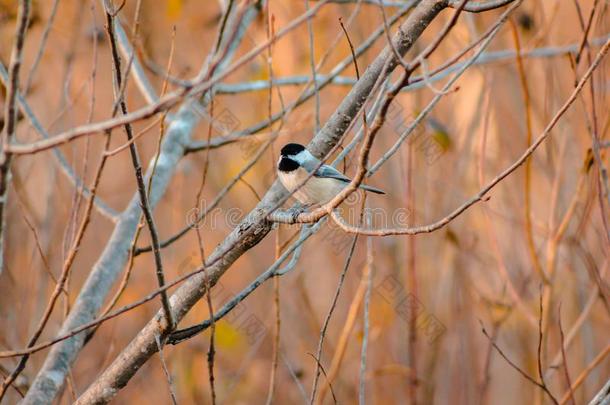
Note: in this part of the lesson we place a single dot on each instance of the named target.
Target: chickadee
(296, 163)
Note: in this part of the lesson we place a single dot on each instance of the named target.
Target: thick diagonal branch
(108, 267)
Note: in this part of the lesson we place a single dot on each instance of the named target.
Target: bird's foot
(297, 210)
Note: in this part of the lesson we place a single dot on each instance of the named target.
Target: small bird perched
(296, 163)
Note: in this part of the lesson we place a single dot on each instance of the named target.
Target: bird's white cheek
(289, 180)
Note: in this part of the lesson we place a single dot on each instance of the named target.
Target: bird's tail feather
(371, 189)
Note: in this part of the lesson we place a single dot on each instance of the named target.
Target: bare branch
(416, 82)
(10, 116)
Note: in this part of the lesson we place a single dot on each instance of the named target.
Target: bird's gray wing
(327, 171)
(324, 171)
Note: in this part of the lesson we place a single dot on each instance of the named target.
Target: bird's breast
(316, 190)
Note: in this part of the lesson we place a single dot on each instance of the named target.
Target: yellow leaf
(227, 337)
(439, 133)
(174, 7)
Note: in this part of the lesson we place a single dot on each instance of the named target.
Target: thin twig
(314, 72)
(369, 270)
(516, 367)
(41, 47)
(528, 164)
(168, 375)
(270, 28)
(330, 385)
(583, 375)
(539, 347)
(138, 170)
(564, 357)
(10, 119)
(331, 309)
(65, 167)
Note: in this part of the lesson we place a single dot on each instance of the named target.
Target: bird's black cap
(291, 149)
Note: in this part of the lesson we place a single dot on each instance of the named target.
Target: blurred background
(432, 293)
